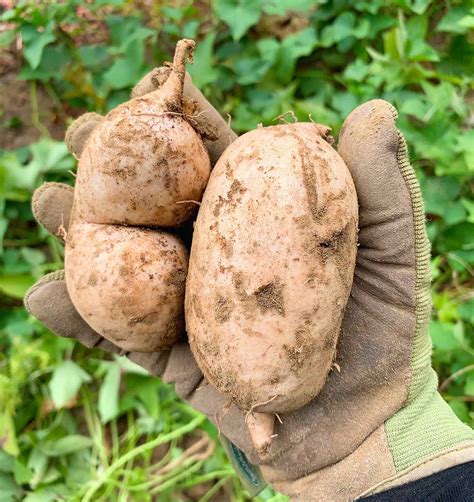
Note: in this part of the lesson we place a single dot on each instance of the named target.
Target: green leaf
(109, 394)
(21, 473)
(419, 6)
(94, 57)
(66, 445)
(16, 286)
(119, 76)
(8, 439)
(281, 7)
(469, 206)
(469, 385)
(466, 310)
(35, 42)
(250, 70)
(8, 488)
(460, 409)
(452, 21)
(239, 15)
(58, 491)
(204, 71)
(443, 336)
(465, 146)
(7, 462)
(293, 47)
(55, 62)
(66, 382)
(7, 37)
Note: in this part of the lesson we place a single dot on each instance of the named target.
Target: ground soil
(17, 126)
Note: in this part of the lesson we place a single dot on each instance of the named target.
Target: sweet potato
(128, 283)
(143, 165)
(270, 270)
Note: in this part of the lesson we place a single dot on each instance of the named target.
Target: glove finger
(52, 206)
(79, 131)
(372, 148)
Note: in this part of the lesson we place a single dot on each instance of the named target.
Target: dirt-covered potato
(271, 268)
(142, 164)
(128, 283)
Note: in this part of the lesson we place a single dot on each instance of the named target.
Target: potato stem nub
(174, 85)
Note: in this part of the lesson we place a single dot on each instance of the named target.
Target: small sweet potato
(143, 165)
(128, 283)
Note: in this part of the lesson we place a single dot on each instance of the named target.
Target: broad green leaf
(469, 206)
(16, 286)
(7, 462)
(58, 491)
(119, 76)
(21, 473)
(419, 6)
(451, 21)
(9, 490)
(344, 103)
(465, 146)
(33, 256)
(469, 385)
(466, 310)
(66, 382)
(35, 42)
(460, 409)
(443, 336)
(8, 439)
(340, 29)
(239, 15)
(94, 56)
(281, 7)
(250, 70)
(66, 445)
(109, 394)
(357, 71)
(7, 37)
(204, 71)
(268, 49)
(55, 62)
(292, 48)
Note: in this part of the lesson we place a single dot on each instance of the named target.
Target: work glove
(379, 421)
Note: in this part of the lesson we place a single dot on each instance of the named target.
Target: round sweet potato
(271, 268)
(128, 283)
(143, 165)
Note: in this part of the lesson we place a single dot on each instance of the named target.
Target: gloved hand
(379, 420)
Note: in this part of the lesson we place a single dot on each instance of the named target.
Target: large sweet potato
(271, 269)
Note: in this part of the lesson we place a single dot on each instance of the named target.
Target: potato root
(271, 268)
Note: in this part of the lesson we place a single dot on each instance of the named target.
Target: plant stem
(35, 118)
(138, 451)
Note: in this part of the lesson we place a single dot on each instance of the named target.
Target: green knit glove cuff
(426, 424)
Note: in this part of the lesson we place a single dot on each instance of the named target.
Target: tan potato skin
(141, 166)
(128, 283)
(271, 267)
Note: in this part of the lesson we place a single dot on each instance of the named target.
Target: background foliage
(81, 425)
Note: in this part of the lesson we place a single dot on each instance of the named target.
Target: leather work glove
(379, 421)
